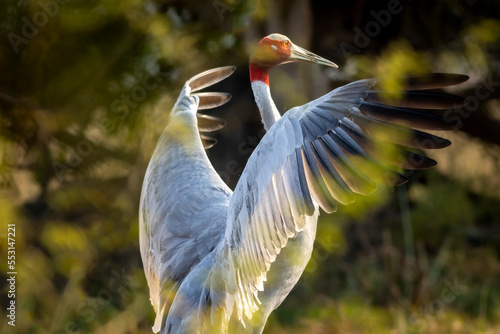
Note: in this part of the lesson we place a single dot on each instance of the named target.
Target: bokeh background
(85, 91)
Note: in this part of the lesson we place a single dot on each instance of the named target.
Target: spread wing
(321, 154)
(184, 202)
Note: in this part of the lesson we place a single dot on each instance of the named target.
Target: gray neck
(265, 103)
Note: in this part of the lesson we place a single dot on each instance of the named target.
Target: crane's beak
(298, 53)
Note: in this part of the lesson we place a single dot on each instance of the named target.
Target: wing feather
(407, 116)
(209, 77)
(352, 175)
(415, 99)
(334, 182)
(316, 182)
(322, 154)
(297, 172)
(286, 214)
(181, 195)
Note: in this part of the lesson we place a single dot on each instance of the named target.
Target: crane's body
(218, 260)
(197, 200)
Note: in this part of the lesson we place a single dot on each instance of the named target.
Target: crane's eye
(286, 43)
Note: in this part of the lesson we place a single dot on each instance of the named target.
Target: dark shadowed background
(85, 91)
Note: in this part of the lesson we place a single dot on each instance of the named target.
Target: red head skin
(269, 53)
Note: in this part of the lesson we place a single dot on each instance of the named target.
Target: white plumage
(218, 261)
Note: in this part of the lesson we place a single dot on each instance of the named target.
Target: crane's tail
(209, 100)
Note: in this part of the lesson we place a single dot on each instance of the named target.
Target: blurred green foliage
(85, 90)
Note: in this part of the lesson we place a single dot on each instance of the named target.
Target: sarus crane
(220, 261)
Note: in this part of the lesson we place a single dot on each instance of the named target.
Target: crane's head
(277, 49)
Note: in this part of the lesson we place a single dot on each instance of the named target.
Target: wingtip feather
(209, 77)
(211, 100)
